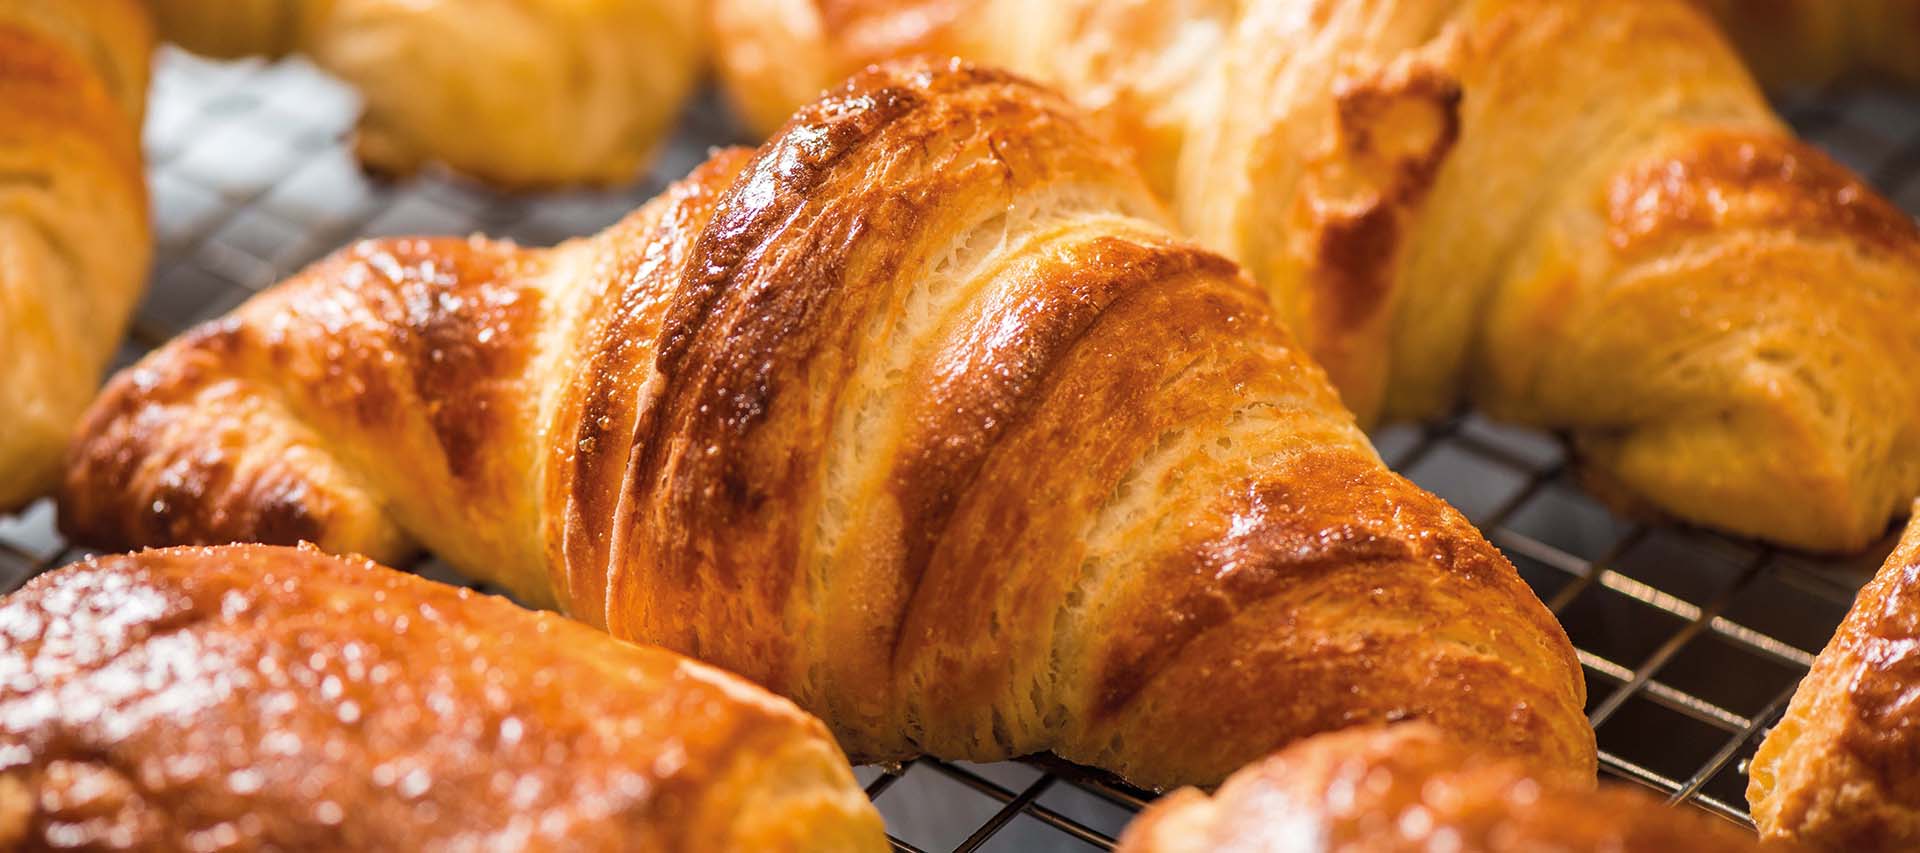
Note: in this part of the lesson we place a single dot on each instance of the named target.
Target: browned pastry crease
(74, 238)
(517, 93)
(1578, 216)
(1842, 770)
(259, 698)
(1408, 788)
(918, 415)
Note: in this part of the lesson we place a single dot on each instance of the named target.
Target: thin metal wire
(205, 98)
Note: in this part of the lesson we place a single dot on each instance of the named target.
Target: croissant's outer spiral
(257, 698)
(1842, 770)
(516, 93)
(918, 415)
(1386, 789)
(1579, 216)
(74, 238)
(1820, 41)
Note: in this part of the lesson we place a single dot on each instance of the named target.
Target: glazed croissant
(1407, 788)
(518, 93)
(73, 217)
(918, 416)
(1818, 41)
(1842, 770)
(1582, 217)
(256, 698)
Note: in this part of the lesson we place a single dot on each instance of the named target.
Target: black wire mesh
(1692, 643)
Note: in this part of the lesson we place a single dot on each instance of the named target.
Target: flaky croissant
(918, 416)
(1819, 41)
(74, 237)
(256, 698)
(1842, 770)
(1580, 216)
(1408, 788)
(518, 93)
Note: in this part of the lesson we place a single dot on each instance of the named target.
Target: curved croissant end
(73, 217)
(1838, 772)
(1581, 218)
(512, 92)
(282, 699)
(917, 415)
(1407, 787)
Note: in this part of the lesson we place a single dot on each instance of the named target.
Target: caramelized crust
(1408, 788)
(516, 93)
(261, 698)
(1842, 770)
(74, 237)
(1578, 216)
(918, 416)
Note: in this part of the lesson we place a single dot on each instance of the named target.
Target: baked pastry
(517, 93)
(74, 239)
(1842, 770)
(1584, 218)
(260, 698)
(1408, 788)
(919, 415)
(1820, 41)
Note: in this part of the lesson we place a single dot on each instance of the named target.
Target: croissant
(1579, 216)
(259, 698)
(1820, 41)
(74, 236)
(1842, 770)
(918, 416)
(1408, 788)
(517, 93)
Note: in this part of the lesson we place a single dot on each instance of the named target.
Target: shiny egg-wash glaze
(516, 93)
(1842, 770)
(74, 237)
(1410, 788)
(1579, 216)
(918, 415)
(257, 698)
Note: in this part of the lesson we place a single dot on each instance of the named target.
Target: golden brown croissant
(517, 93)
(1818, 41)
(73, 217)
(1407, 788)
(256, 698)
(1580, 216)
(1842, 770)
(918, 416)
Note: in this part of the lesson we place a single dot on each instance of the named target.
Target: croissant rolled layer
(1579, 217)
(1842, 770)
(1408, 788)
(74, 237)
(918, 415)
(516, 93)
(252, 697)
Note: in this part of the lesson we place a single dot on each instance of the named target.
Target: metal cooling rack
(1692, 643)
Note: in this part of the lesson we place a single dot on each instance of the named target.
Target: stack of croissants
(1009, 399)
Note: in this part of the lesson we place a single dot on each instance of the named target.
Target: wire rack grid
(1691, 643)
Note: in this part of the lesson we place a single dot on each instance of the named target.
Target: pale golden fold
(257, 698)
(1408, 789)
(918, 415)
(74, 237)
(1577, 216)
(517, 93)
(1842, 770)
